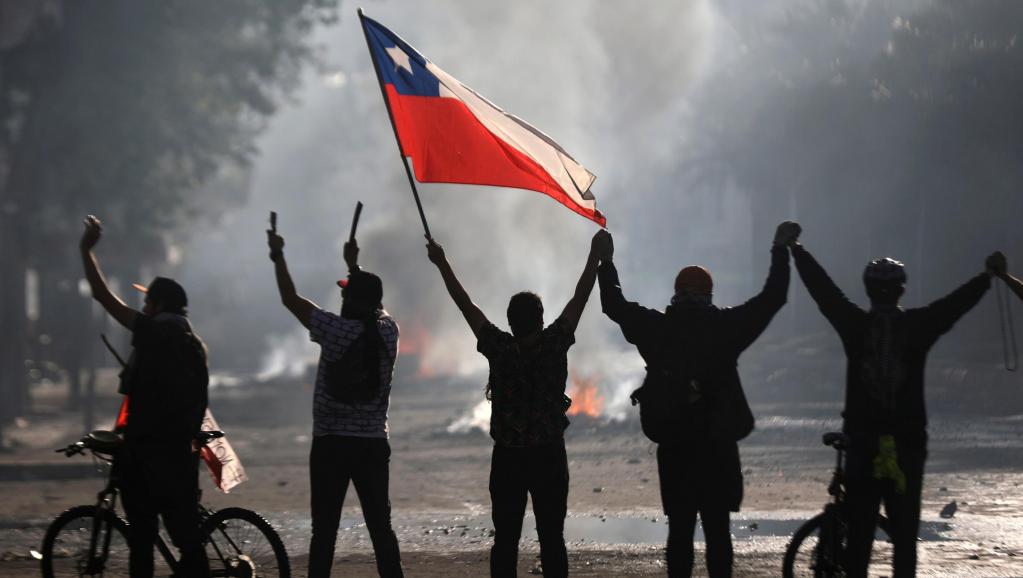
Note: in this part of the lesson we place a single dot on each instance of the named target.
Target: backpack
(671, 412)
(348, 379)
(667, 413)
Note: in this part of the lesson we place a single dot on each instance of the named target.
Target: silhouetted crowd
(691, 403)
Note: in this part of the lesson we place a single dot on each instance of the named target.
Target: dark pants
(542, 473)
(702, 478)
(864, 495)
(333, 461)
(161, 481)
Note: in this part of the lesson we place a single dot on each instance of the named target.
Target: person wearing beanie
(350, 402)
(691, 402)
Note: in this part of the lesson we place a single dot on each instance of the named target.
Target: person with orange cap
(691, 402)
(351, 398)
(166, 381)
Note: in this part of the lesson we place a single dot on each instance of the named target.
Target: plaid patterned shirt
(527, 386)
(331, 417)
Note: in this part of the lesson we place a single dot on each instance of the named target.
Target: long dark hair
(371, 351)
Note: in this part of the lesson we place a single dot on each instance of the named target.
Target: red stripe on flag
(448, 144)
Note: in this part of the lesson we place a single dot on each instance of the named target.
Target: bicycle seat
(837, 440)
(204, 437)
(102, 441)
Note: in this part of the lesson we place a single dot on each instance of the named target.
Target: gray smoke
(634, 91)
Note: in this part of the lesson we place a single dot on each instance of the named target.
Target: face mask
(689, 298)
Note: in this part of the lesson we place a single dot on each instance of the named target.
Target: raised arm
(97, 282)
(473, 315)
(753, 316)
(943, 313)
(835, 306)
(635, 320)
(574, 309)
(299, 306)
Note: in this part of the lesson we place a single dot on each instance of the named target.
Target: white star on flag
(399, 58)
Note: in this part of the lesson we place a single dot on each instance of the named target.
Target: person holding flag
(528, 372)
(166, 380)
(352, 395)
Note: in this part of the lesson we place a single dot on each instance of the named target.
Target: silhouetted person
(886, 348)
(528, 371)
(694, 346)
(353, 389)
(166, 382)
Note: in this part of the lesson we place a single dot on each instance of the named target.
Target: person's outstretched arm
(835, 306)
(299, 306)
(945, 312)
(569, 317)
(97, 282)
(753, 316)
(637, 322)
(473, 315)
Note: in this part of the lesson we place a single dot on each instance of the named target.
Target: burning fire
(586, 397)
(415, 340)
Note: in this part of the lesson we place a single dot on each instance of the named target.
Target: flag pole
(390, 116)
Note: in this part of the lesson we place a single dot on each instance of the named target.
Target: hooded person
(691, 402)
(350, 403)
(166, 382)
(885, 418)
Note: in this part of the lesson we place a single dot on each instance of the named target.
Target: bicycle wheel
(241, 544)
(817, 549)
(66, 545)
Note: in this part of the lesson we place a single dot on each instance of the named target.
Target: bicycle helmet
(885, 270)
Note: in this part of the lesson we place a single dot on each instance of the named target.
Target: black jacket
(710, 338)
(166, 381)
(886, 351)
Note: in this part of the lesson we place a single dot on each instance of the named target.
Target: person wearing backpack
(166, 382)
(350, 402)
(691, 401)
(885, 417)
(526, 388)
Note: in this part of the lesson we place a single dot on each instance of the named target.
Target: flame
(586, 397)
(415, 340)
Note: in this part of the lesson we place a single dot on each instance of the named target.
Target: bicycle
(91, 540)
(818, 547)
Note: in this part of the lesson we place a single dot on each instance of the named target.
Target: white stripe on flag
(573, 178)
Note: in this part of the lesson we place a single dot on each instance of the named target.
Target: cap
(694, 278)
(167, 292)
(363, 285)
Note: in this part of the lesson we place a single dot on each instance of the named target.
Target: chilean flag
(454, 135)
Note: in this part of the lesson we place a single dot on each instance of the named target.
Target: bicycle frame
(106, 502)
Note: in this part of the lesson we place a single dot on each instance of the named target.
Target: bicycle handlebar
(73, 449)
(107, 442)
